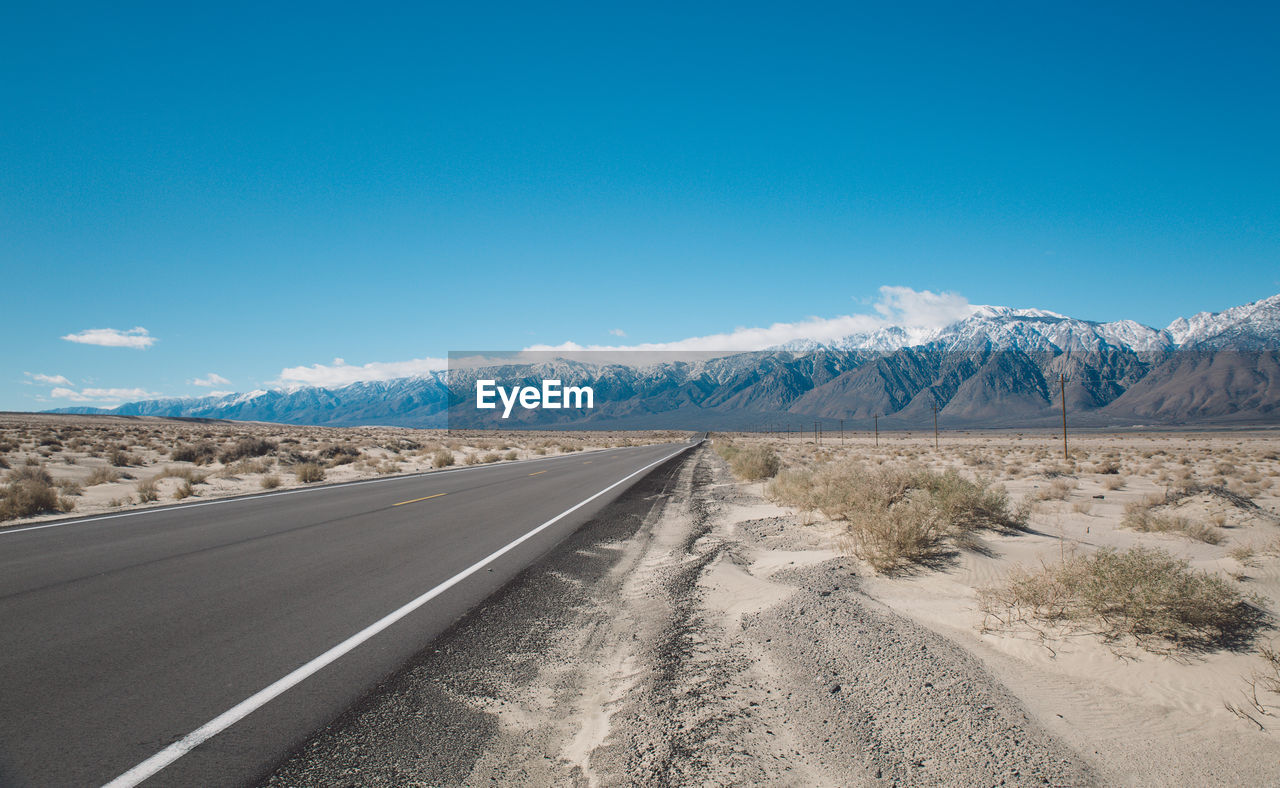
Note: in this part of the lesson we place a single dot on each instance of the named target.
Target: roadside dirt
(688, 637)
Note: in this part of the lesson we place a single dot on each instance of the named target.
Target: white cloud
(101, 395)
(214, 379)
(340, 373)
(921, 308)
(74, 396)
(219, 393)
(137, 337)
(52, 380)
(917, 311)
(617, 332)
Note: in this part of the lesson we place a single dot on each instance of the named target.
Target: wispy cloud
(916, 311)
(137, 337)
(214, 379)
(101, 395)
(51, 380)
(617, 332)
(340, 373)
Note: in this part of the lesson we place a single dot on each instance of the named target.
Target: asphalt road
(199, 644)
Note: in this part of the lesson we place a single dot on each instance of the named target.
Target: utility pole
(877, 417)
(1062, 384)
(935, 426)
(842, 433)
(817, 439)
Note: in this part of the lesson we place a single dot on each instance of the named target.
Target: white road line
(262, 697)
(258, 497)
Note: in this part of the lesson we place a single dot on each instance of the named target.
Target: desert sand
(1179, 717)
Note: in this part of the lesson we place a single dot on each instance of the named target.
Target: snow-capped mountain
(998, 366)
(1250, 325)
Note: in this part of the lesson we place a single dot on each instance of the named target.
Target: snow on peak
(1261, 318)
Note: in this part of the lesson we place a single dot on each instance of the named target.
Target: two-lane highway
(197, 644)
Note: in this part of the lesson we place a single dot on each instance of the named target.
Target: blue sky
(265, 189)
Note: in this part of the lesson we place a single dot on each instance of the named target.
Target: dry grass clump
(1140, 516)
(246, 448)
(197, 453)
(442, 459)
(897, 516)
(339, 454)
(122, 459)
(247, 466)
(104, 475)
(270, 482)
(309, 472)
(755, 463)
(31, 491)
(1143, 595)
(147, 491)
(188, 474)
(1058, 490)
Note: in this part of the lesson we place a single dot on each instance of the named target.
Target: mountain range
(998, 367)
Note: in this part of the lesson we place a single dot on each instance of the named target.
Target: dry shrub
(491, 457)
(442, 459)
(1143, 595)
(897, 516)
(1263, 687)
(244, 448)
(339, 453)
(1114, 483)
(755, 463)
(1109, 467)
(104, 475)
(725, 449)
(247, 466)
(190, 475)
(1058, 490)
(890, 538)
(69, 487)
(309, 472)
(511, 455)
(123, 459)
(197, 453)
(1140, 516)
(30, 492)
(147, 491)
(270, 482)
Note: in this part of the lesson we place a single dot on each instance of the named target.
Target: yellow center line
(588, 462)
(415, 500)
(536, 473)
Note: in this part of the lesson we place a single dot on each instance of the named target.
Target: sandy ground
(692, 635)
(104, 464)
(1140, 718)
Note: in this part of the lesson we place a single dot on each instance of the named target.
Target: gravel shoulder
(689, 635)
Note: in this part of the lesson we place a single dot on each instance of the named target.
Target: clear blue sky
(262, 188)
